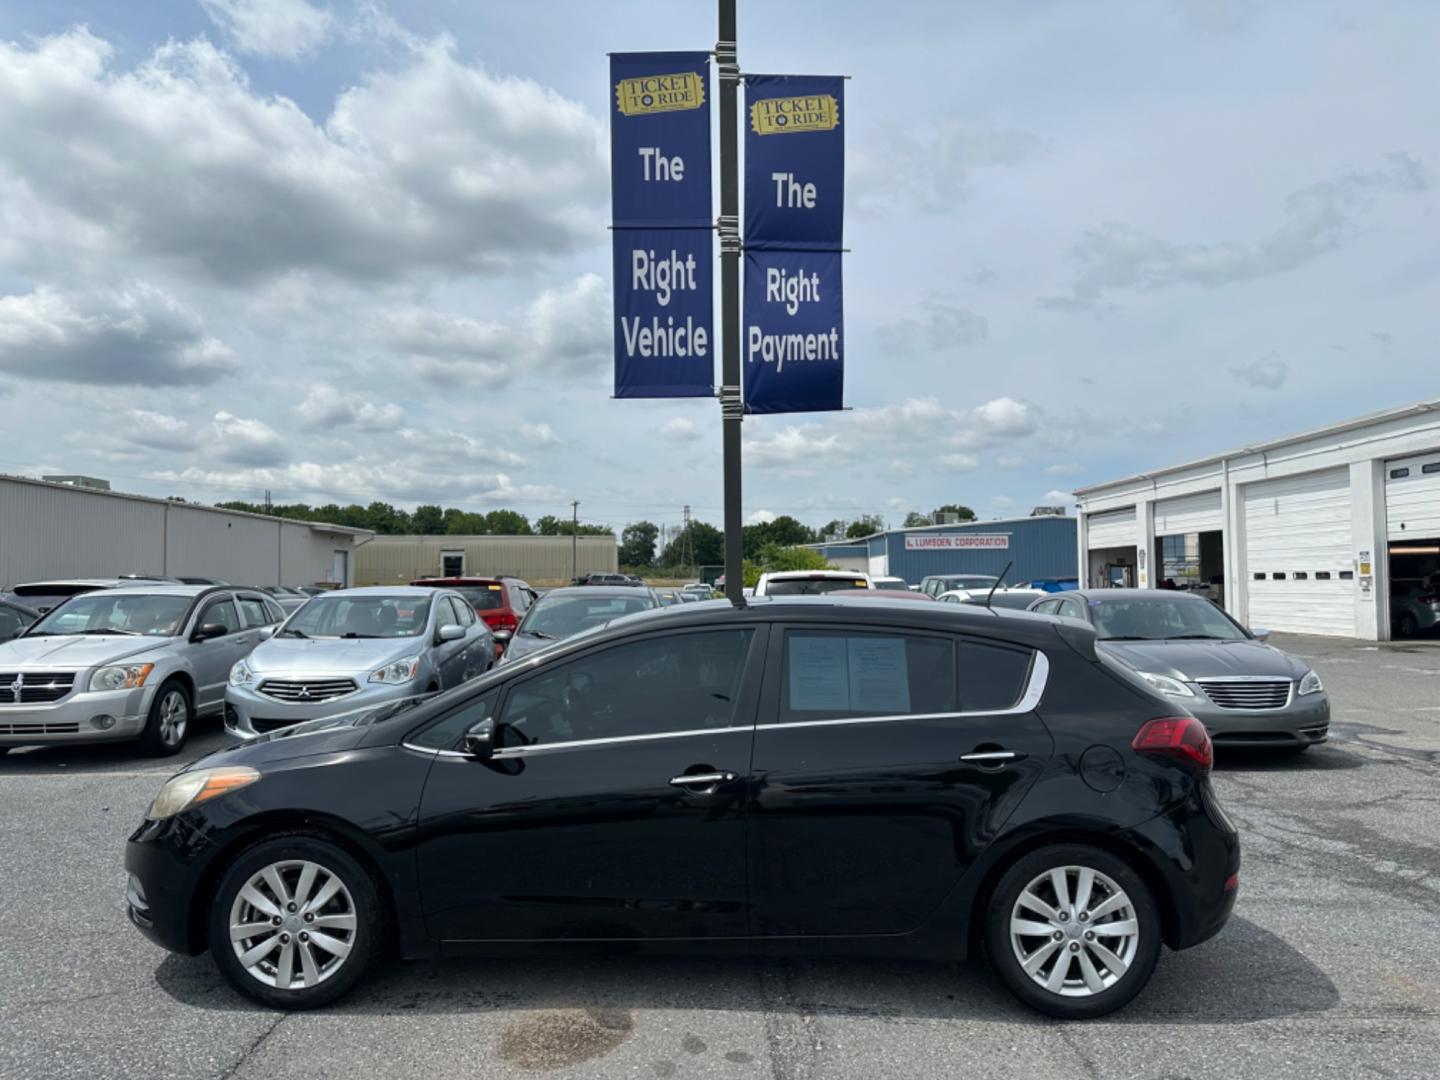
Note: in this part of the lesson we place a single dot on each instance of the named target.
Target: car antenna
(991, 594)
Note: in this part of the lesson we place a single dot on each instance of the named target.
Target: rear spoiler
(1079, 637)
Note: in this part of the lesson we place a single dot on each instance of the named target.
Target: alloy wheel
(293, 924)
(174, 716)
(1074, 931)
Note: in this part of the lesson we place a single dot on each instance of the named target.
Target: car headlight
(1311, 683)
(241, 674)
(1166, 685)
(121, 677)
(192, 788)
(397, 671)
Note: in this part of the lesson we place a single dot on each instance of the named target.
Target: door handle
(704, 783)
(990, 757)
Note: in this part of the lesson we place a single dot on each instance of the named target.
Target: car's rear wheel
(168, 724)
(1407, 624)
(294, 922)
(1073, 931)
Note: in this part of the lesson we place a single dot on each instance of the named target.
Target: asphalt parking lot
(1330, 967)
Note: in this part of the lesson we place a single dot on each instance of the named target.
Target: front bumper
(249, 714)
(1302, 722)
(79, 717)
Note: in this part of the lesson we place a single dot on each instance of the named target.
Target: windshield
(812, 586)
(559, 616)
(1155, 619)
(361, 617)
(483, 597)
(116, 612)
(968, 581)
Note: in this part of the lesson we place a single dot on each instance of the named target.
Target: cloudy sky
(350, 251)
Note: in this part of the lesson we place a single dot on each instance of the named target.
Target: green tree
(794, 558)
(428, 520)
(507, 523)
(831, 528)
(915, 519)
(637, 543)
(964, 513)
(865, 525)
(706, 546)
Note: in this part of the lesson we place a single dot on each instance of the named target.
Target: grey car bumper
(249, 714)
(76, 718)
(1302, 722)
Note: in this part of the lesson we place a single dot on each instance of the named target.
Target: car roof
(598, 590)
(98, 583)
(1136, 594)
(813, 575)
(385, 590)
(421, 583)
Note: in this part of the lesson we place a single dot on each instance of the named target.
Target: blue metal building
(1038, 547)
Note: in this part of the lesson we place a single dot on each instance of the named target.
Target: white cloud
(1267, 373)
(806, 447)
(679, 429)
(159, 430)
(569, 327)
(433, 166)
(959, 462)
(930, 168)
(449, 348)
(1068, 468)
(539, 435)
(1056, 497)
(760, 517)
(324, 406)
(136, 336)
(1116, 257)
(246, 442)
(1005, 417)
(939, 326)
(1009, 461)
(284, 28)
(1002, 502)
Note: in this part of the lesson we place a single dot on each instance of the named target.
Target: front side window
(676, 682)
(361, 617)
(837, 674)
(118, 612)
(222, 612)
(450, 729)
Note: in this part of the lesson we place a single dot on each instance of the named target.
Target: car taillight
(1181, 737)
(1430, 598)
(1232, 882)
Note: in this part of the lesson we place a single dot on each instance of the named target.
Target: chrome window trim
(570, 744)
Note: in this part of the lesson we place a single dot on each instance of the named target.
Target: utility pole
(688, 545)
(732, 406)
(574, 539)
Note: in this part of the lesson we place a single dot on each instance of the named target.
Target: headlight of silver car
(192, 788)
(241, 675)
(1311, 683)
(398, 671)
(1166, 685)
(122, 677)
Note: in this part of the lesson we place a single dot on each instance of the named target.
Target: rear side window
(254, 610)
(831, 674)
(992, 677)
(483, 597)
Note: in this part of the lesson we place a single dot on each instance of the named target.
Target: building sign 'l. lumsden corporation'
(960, 542)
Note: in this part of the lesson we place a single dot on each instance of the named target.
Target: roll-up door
(1111, 529)
(1188, 514)
(1412, 497)
(1298, 565)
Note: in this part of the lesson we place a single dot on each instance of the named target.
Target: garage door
(1412, 497)
(1297, 554)
(1188, 514)
(1113, 528)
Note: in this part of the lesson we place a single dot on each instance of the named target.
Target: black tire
(158, 738)
(1407, 624)
(362, 902)
(1008, 966)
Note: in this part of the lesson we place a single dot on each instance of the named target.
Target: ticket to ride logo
(778, 116)
(660, 93)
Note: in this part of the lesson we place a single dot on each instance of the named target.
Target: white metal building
(52, 531)
(1319, 533)
(547, 560)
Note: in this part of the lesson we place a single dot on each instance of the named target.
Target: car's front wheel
(1073, 931)
(168, 724)
(294, 922)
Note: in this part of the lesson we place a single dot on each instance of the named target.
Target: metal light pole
(575, 540)
(732, 407)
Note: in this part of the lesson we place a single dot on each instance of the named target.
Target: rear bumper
(1196, 850)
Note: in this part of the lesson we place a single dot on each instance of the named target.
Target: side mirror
(502, 637)
(1259, 633)
(451, 632)
(209, 631)
(267, 632)
(480, 740)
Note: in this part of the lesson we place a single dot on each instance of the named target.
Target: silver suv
(127, 663)
(354, 649)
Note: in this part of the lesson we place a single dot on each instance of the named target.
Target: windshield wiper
(107, 630)
(542, 634)
(352, 636)
(1196, 637)
(292, 633)
(1126, 637)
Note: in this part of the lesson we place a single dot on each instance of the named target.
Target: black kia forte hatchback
(866, 776)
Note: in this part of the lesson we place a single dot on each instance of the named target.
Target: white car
(1014, 599)
(810, 582)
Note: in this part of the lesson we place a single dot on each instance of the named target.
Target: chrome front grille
(34, 687)
(1255, 694)
(304, 691)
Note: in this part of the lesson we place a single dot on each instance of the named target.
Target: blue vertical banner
(794, 346)
(663, 224)
(794, 162)
(794, 326)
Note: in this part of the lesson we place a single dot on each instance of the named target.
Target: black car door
(614, 805)
(885, 761)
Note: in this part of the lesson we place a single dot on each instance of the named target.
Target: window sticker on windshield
(818, 676)
(879, 679)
